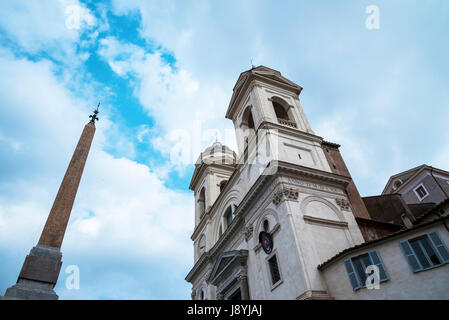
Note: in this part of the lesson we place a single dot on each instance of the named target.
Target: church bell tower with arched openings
(290, 207)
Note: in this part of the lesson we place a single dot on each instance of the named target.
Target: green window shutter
(377, 261)
(352, 275)
(439, 245)
(410, 255)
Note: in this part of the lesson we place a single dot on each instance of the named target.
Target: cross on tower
(93, 117)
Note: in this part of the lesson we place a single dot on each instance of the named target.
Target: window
(202, 201)
(280, 111)
(421, 192)
(250, 121)
(274, 270)
(397, 184)
(202, 244)
(357, 269)
(266, 226)
(247, 118)
(425, 252)
(228, 216)
(299, 155)
(223, 185)
(282, 115)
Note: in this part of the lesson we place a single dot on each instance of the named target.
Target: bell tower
(270, 123)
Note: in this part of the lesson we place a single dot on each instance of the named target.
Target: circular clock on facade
(266, 241)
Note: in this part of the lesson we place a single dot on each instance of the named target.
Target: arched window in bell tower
(228, 216)
(202, 201)
(281, 109)
(202, 245)
(248, 119)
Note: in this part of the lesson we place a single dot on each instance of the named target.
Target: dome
(217, 145)
(217, 153)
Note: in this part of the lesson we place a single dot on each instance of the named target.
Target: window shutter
(410, 255)
(376, 260)
(352, 275)
(439, 245)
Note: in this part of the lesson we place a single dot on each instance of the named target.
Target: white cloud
(174, 98)
(122, 207)
(43, 25)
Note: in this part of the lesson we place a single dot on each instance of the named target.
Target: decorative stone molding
(242, 276)
(316, 220)
(248, 233)
(207, 274)
(343, 204)
(315, 295)
(287, 123)
(193, 294)
(288, 194)
(313, 185)
(220, 296)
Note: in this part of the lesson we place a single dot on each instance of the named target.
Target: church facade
(273, 219)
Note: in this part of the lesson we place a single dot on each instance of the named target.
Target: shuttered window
(356, 268)
(425, 252)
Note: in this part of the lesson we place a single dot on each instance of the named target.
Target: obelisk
(40, 271)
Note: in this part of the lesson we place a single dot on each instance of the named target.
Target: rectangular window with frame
(425, 252)
(421, 192)
(274, 270)
(356, 268)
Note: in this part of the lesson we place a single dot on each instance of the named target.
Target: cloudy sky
(164, 73)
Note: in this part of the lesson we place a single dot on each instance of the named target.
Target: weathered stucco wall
(403, 283)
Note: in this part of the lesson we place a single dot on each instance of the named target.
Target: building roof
(387, 208)
(409, 175)
(263, 74)
(432, 210)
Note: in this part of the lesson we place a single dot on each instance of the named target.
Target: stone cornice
(291, 131)
(200, 169)
(312, 174)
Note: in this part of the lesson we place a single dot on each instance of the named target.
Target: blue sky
(164, 69)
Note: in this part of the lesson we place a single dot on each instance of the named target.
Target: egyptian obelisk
(40, 271)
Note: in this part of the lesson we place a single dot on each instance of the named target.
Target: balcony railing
(287, 123)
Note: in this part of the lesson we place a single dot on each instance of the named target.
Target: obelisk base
(38, 276)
